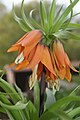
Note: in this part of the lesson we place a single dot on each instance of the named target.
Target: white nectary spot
(19, 59)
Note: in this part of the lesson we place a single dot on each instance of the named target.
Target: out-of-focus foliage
(11, 32)
(64, 108)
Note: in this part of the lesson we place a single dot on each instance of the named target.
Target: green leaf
(55, 116)
(49, 116)
(62, 115)
(20, 93)
(14, 115)
(33, 21)
(78, 118)
(74, 112)
(76, 14)
(19, 105)
(62, 101)
(4, 99)
(43, 15)
(52, 13)
(2, 110)
(66, 23)
(37, 96)
(74, 25)
(58, 13)
(10, 115)
(50, 98)
(67, 35)
(9, 90)
(24, 17)
(21, 22)
(62, 18)
(75, 91)
(31, 111)
(56, 106)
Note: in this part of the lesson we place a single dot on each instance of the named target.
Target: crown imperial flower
(41, 45)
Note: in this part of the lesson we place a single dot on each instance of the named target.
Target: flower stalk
(42, 85)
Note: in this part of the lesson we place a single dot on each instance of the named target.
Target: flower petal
(68, 63)
(39, 70)
(37, 57)
(33, 37)
(47, 60)
(68, 74)
(13, 48)
(58, 51)
(22, 65)
(62, 73)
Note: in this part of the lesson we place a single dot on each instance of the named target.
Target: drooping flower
(32, 52)
(62, 62)
(25, 46)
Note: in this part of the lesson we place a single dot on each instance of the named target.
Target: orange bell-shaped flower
(62, 62)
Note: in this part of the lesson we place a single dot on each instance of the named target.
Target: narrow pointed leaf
(33, 113)
(66, 23)
(43, 15)
(21, 22)
(10, 115)
(62, 18)
(52, 13)
(24, 17)
(20, 93)
(9, 89)
(19, 105)
(33, 21)
(59, 103)
(74, 112)
(67, 35)
(63, 115)
(74, 25)
(58, 13)
(37, 96)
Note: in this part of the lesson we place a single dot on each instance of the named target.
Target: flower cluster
(40, 49)
(32, 52)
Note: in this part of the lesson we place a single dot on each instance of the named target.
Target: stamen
(20, 58)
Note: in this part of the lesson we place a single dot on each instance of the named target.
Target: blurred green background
(10, 32)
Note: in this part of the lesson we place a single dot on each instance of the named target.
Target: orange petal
(33, 37)
(62, 73)
(21, 39)
(31, 55)
(13, 48)
(37, 57)
(53, 76)
(22, 65)
(66, 58)
(68, 63)
(50, 75)
(12, 65)
(39, 70)
(47, 60)
(56, 62)
(73, 68)
(58, 50)
(68, 74)
(28, 49)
